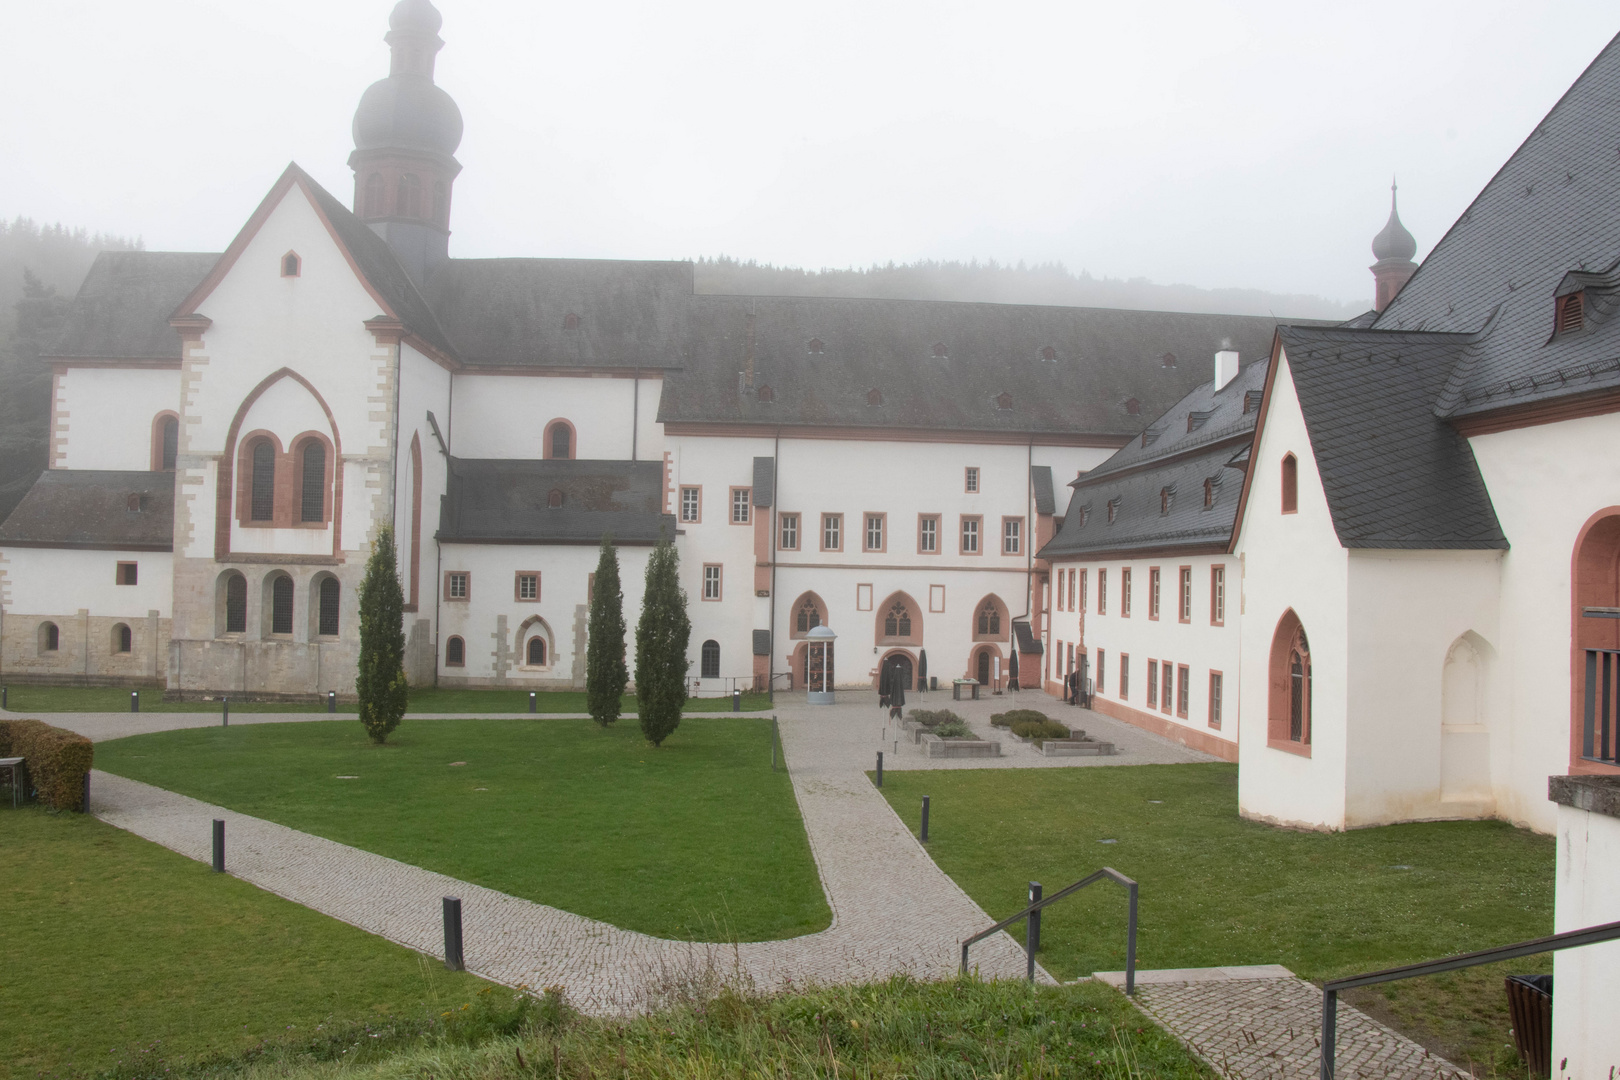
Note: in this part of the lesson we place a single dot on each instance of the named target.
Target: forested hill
(1045, 283)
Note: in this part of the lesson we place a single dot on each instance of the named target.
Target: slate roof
(505, 502)
(90, 508)
(764, 481)
(1217, 416)
(1395, 474)
(1102, 358)
(1040, 482)
(515, 312)
(1549, 210)
(122, 309)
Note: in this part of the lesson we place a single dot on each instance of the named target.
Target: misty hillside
(992, 282)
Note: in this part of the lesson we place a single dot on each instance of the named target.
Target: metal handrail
(1569, 939)
(1031, 941)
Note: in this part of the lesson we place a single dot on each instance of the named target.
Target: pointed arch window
(262, 501)
(1289, 719)
(1299, 689)
(554, 499)
(989, 619)
(291, 264)
(313, 493)
(897, 620)
(808, 617)
(1290, 484)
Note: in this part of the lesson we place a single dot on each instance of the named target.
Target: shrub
(56, 760)
(955, 728)
(380, 679)
(605, 672)
(661, 639)
(932, 718)
(1039, 729)
(1012, 716)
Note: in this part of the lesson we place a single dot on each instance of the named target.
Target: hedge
(1017, 716)
(56, 760)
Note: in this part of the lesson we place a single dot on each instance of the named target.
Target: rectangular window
(970, 535)
(1215, 699)
(928, 534)
(1083, 600)
(1124, 676)
(1102, 671)
(874, 532)
(457, 585)
(1186, 594)
(1125, 592)
(1153, 683)
(711, 581)
(832, 532)
(789, 539)
(1153, 592)
(1012, 536)
(127, 574)
(863, 597)
(1217, 596)
(1169, 686)
(1102, 592)
(936, 599)
(1061, 578)
(970, 482)
(528, 585)
(739, 505)
(692, 504)
(1183, 691)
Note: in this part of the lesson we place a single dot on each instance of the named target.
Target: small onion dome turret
(415, 17)
(1394, 242)
(407, 112)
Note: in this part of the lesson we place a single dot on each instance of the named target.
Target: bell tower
(406, 132)
(1393, 248)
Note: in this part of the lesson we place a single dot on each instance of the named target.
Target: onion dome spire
(1393, 248)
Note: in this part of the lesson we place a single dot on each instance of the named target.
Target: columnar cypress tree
(380, 683)
(605, 672)
(661, 640)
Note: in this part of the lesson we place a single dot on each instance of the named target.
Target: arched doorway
(982, 664)
(900, 663)
(982, 667)
(1289, 698)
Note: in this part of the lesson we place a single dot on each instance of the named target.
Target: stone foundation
(86, 652)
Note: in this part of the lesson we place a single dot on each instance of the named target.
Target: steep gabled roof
(1551, 209)
(122, 309)
(1040, 483)
(93, 508)
(506, 501)
(1009, 369)
(1395, 474)
(1204, 417)
(515, 313)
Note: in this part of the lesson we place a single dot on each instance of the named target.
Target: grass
(695, 840)
(1218, 890)
(113, 942)
(897, 1030)
(48, 699)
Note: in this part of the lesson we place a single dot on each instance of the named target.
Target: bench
(1072, 747)
(936, 747)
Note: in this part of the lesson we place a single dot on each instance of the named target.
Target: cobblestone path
(1263, 1023)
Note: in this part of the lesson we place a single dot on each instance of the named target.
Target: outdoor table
(15, 766)
(956, 688)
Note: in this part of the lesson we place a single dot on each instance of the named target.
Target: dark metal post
(964, 957)
(134, 701)
(924, 836)
(331, 701)
(3, 690)
(452, 934)
(219, 846)
(1032, 931)
(880, 768)
(736, 699)
(224, 712)
(534, 702)
(1130, 946)
(84, 796)
(1330, 1034)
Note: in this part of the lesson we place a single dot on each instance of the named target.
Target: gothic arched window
(897, 623)
(537, 652)
(1289, 713)
(314, 487)
(989, 619)
(263, 496)
(808, 616)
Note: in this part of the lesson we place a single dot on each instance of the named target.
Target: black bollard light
(3, 690)
(224, 712)
(736, 699)
(452, 934)
(924, 836)
(331, 701)
(134, 701)
(880, 768)
(534, 702)
(219, 846)
(1032, 930)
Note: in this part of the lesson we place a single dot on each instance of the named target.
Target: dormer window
(1167, 499)
(1004, 401)
(1168, 360)
(1196, 420)
(874, 397)
(1150, 436)
(1570, 313)
(291, 264)
(815, 346)
(1132, 407)
(766, 394)
(554, 500)
(1085, 515)
(1048, 353)
(940, 352)
(1113, 510)
(1251, 400)
(570, 321)
(1209, 492)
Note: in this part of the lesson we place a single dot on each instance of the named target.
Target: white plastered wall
(1586, 981)
(59, 580)
(1292, 561)
(104, 415)
(505, 416)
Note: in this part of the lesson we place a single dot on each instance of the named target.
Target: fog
(1220, 145)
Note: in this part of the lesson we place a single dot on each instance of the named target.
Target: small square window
(457, 585)
(528, 585)
(127, 573)
(691, 505)
(711, 581)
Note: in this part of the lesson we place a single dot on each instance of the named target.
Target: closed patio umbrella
(922, 670)
(1012, 671)
(897, 687)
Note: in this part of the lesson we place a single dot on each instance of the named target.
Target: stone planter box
(1074, 735)
(913, 729)
(936, 747)
(1071, 747)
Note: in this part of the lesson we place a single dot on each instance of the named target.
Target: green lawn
(1218, 890)
(48, 699)
(113, 943)
(698, 839)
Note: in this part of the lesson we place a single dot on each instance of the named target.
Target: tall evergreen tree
(661, 639)
(380, 683)
(25, 389)
(605, 671)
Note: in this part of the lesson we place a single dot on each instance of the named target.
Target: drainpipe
(635, 411)
(776, 509)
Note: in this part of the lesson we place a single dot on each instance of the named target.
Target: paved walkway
(1263, 1023)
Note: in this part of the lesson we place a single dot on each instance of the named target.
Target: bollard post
(736, 699)
(84, 796)
(224, 712)
(534, 702)
(134, 701)
(1330, 1031)
(3, 690)
(331, 701)
(924, 836)
(1032, 930)
(880, 768)
(452, 934)
(219, 846)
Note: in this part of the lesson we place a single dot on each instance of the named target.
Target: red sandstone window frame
(1217, 595)
(1286, 640)
(1167, 673)
(517, 586)
(292, 264)
(1012, 543)
(1102, 590)
(450, 578)
(1062, 577)
(882, 520)
(741, 499)
(1100, 680)
(546, 451)
(1153, 684)
(977, 532)
(1184, 614)
(836, 521)
(1082, 604)
(1183, 690)
(1125, 592)
(1217, 685)
(922, 533)
(458, 639)
(1154, 580)
(782, 523)
(287, 481)
(1124, 676)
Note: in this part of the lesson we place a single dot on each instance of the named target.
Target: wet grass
(48, 699)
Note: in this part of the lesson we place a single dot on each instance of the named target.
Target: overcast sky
(1210, 143)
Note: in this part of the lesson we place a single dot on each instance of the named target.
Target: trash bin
(933, 682)
(1530, 1008)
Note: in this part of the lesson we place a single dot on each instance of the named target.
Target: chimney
(1226, 367)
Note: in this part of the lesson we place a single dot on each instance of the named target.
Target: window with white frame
(456, 584)
(970, 536)
(1186, 594)
(832, 532)
(711, 581)
(739, 505)
(970, 482)
(1217, 595)
(691, 504)
(528, 585)
(1012, 536)
(789, 538)
(874, 532)
(928, 534)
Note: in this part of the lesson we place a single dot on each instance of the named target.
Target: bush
(56, 760)
(1039, 729)
(932, 718)
(1012, 716)
(380, 679)
(661, 639)
(605, 672)
(952, 729)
